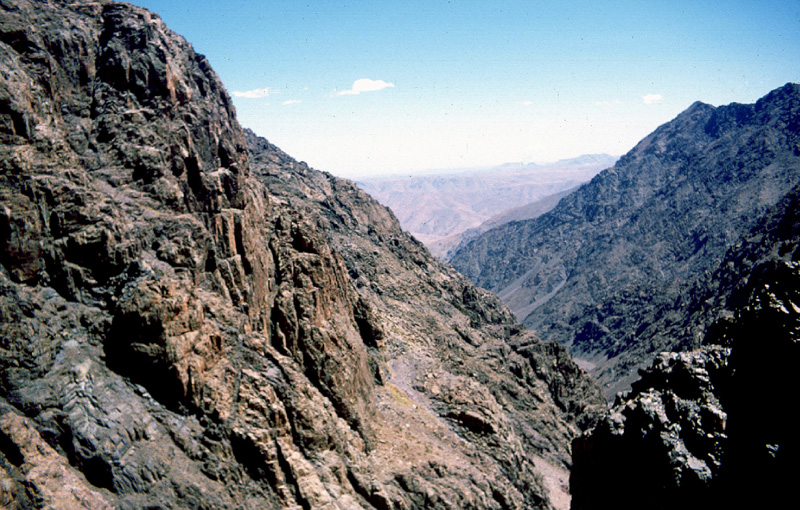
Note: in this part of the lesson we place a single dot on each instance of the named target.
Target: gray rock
(711, 427)
(612, 271)
(192, 319)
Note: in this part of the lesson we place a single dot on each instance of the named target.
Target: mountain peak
(593, 272)
(790, 90)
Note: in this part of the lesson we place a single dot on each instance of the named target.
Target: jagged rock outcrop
(189, 322)
(440, 346)
(711, 428)
(610, 271)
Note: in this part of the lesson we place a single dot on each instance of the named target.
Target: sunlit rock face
(192, 319)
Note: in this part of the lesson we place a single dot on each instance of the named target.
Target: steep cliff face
(711, 427)
(188, 324)
(609, 271)
(444, 352)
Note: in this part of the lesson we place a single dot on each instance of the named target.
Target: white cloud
(292, 101)
(652, 98)
(527, 103)
(255, 93)
(365, 85)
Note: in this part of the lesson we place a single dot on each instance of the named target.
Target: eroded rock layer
(189, 318)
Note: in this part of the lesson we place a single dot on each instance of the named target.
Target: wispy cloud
(365, 85)
(608, 103)
(527, 103)
(652, 98)
(255, 93)
(291, 101)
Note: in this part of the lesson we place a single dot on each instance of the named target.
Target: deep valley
(192, 318)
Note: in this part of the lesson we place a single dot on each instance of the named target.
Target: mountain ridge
(190, 318)
(596, 270)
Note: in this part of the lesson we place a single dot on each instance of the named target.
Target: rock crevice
(189, 318)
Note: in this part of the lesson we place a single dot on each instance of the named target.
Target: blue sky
(370, 87)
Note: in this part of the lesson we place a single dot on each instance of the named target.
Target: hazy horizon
(368, 88)
(433, 172)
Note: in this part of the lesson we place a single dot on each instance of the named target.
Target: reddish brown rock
(186, 323)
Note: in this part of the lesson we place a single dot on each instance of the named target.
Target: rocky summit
(190, 318)
(617, 269)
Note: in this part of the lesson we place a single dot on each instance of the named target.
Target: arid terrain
(192, 318)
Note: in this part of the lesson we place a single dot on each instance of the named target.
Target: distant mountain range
(611, 270)
(444, 209)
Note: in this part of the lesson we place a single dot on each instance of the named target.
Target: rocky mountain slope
(437, 209)
(189, 318)
(446, 247)
(711, 427)
(611, 270)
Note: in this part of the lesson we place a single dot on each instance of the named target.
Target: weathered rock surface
(610, 271)
(442, 348)
(186, 323)
(449, 245)
(713, 427)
